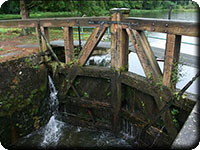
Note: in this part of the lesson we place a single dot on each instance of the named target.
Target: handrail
(145, 24)
(177, 27)
(51, 22)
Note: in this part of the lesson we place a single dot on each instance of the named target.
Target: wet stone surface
(188, 137)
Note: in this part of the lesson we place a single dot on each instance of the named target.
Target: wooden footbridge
(155, 93)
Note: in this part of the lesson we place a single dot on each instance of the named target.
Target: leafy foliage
(91, 8)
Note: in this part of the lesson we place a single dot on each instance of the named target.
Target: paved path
(189, 60)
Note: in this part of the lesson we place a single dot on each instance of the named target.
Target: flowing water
(59, 134)
(62, 134)
(52, 130)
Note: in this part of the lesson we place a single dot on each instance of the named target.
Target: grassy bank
(134, 12)
(39, 15)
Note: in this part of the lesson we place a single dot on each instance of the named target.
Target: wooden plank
(164, 26)
(119, 45)
(130, 79)
(143, 85)
(171, 59)
(151, 57)
(91, 43)
(116, 100)
(70, 76)
(52, 22)
(90, 71)
(96, 72)
(138, 122)
(45, 31)
(68, 44)
(152, 25)
(119, 62)
(145, 54)
(88, 103)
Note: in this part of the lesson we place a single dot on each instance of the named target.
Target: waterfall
(52, 130)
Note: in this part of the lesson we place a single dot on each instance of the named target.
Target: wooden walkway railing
(123, 27)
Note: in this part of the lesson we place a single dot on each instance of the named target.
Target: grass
(57, 33)
(54, 33)
(75, 13)
(39, 15)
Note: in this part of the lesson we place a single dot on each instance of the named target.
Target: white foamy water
(52, 130)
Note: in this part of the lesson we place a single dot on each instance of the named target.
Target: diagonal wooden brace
(150, 65)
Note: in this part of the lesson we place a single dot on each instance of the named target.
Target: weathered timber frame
(122, 27)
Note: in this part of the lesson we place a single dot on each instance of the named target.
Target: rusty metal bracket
(113, 22)
(132, 34)
(100, 28)
(102, 23)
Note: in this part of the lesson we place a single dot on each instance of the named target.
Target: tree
(25, 6)
(24, 11)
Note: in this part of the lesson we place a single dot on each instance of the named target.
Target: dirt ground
(11, 48)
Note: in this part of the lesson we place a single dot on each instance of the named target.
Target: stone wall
(23, 89)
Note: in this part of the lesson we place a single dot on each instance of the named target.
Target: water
(62, 134)
(134, 65)
(189, 46)
(178, 15)
(52, 130)
(59, 134)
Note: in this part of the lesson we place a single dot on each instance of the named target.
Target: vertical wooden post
(45, 31)
(119, 39)
(171, 58)
(37, 36)
(119, 61)
(69, 44)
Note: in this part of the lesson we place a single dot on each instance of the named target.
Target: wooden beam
(143, 85)
(53, 22)
(164, 26)
(133, 119)
(149, 53)
(91, 43)
(119, 45)
(45, 31)
(145, 54)
(119, 61)
(152, 25)
(172, 53)
(116, 100)
(130, 79)
(96, 72)
(88, 103)
(68, 44)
